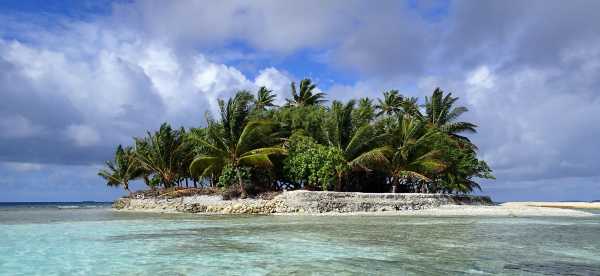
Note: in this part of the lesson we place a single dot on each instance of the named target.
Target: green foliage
(408, 157)
(264, 98)
(346, 146)
(306, 94)
(229, 176)
(122, 169)
(310, 120)
(164, 153)
(391, 103)
(462, 168)
(314, 165)
(365, 112)
(441, 114)
(235, 141)
(154, 181)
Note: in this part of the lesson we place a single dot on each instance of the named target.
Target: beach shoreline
(311, 203)
(562, 205)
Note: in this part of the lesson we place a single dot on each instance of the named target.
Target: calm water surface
(90, 239)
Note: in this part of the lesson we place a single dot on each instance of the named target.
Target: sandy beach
(465, 211)
(568, 205)
(362, 204)
(504, 210)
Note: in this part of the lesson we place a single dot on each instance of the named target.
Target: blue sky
(79, 77)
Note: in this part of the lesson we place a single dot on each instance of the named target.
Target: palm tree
(264, 98)
(440, 114)
(122, 169)
(364, 112)
(407, 158)
(306, 95)
(354, 141)
(391, 103)
(410, 107)
(235, 141)
(162, 152)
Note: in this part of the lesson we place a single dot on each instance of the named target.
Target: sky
(78, 77)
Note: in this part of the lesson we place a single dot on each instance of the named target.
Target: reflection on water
(98, 241)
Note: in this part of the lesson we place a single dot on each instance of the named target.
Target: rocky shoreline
(301, 202)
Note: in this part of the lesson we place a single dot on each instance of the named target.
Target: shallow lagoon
(75, 240)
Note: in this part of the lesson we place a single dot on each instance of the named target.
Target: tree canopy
(391, 144)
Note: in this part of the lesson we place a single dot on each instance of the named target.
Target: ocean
(91, 239)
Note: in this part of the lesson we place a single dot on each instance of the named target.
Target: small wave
(68, 207)
(81, 206)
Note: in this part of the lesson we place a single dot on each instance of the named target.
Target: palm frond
(256, 160)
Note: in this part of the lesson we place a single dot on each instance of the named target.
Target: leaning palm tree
(122, 169)
(407, 158)
(264, 98)
(306, 94)
(391, 103)
(440, 114)
(235, 141)
(162, 153)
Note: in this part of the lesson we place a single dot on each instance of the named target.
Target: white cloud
(281, 26)
(102, 81)
(17, 126)
(22, 166)
(100, 87)
(83, 135)
(276, 81)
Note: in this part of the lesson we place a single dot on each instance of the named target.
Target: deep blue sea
(91, 239)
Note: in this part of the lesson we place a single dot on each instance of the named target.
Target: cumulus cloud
(17, 126)
(275, 80)
(280, 26)
(528, 71)
(83, 135)
(101, 87)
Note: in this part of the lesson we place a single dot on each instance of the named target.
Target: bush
(312, 165)
(229, 176)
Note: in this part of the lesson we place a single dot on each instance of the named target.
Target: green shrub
(312, 165)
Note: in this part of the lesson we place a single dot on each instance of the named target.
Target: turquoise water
(75, 240)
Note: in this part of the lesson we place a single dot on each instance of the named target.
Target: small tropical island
(386, 155)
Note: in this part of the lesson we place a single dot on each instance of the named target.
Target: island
(395, 155)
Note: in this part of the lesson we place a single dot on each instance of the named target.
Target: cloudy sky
(79, 77)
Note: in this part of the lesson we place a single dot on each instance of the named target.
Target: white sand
(443, 211)
(468, 210)
(576, 205)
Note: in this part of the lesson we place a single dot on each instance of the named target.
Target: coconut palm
(306, 94)
(407, 157)
(364, 112)
(391, 103)
(235, 141)
(410, 107)
(122, 169)
(354, 141)
(440, 114)
(264, 98)
(162, 152)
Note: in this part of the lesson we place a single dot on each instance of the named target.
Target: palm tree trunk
(396, 184)
(338, 186)
(126, 186)
(241, 183)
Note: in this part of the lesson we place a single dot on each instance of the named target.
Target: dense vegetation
(392, 145)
